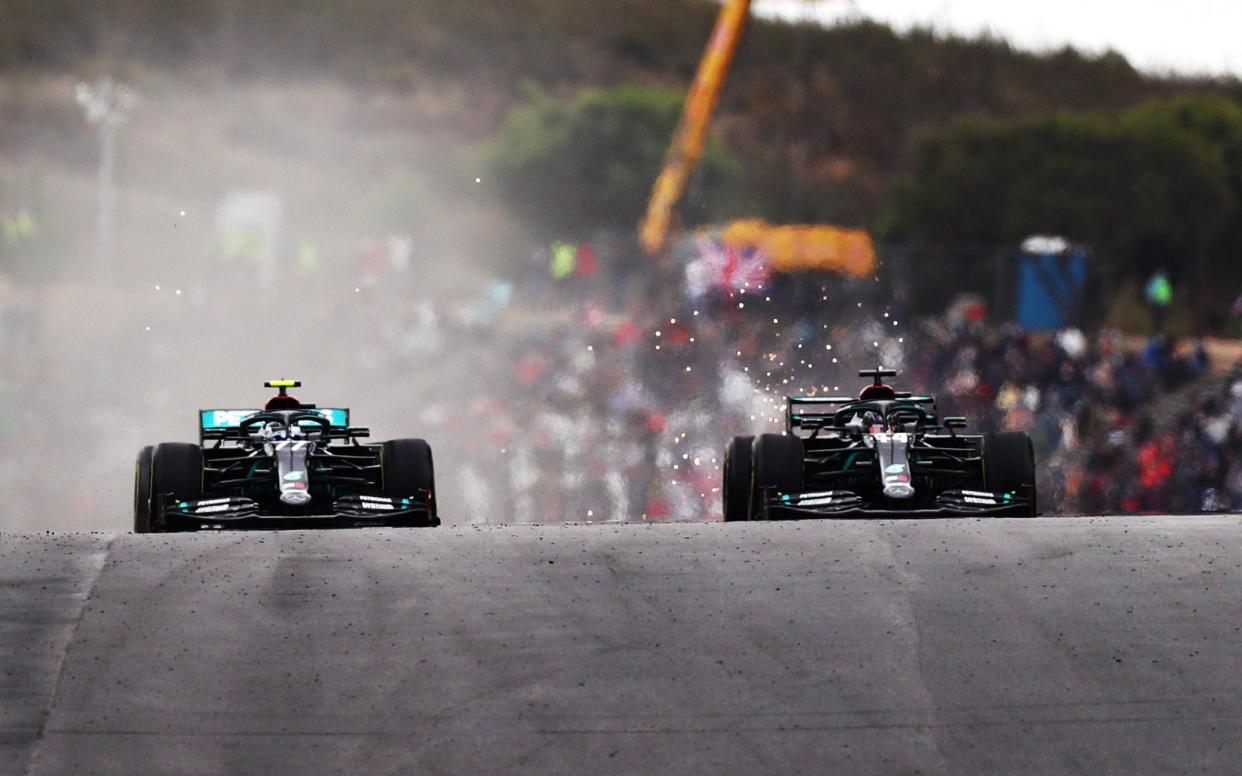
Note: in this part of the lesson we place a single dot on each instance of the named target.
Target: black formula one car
(288, 465)
(885, 453)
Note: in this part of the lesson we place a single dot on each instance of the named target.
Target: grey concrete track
(971, 646)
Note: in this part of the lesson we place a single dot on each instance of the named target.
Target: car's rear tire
(142, 490)
(735, 495)
(408, 470)
(776, 465)
(176, 469)
(1009, 465)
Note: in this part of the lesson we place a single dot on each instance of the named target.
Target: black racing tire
(776, 464)
(408, 469)
(735, 496)
(1009, 465)
(176, 469)
(142, 490)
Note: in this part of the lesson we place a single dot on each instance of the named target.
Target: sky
(1191, 37)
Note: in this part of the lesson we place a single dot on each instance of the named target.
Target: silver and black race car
(288, 464)
(886, 453)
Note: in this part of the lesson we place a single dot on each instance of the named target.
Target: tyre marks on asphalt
(861, 647)
(45, 585)
(1052, 637)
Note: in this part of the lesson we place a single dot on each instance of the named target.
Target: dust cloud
(262, 229)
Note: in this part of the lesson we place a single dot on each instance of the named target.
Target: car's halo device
(290, 464)
(886, 453)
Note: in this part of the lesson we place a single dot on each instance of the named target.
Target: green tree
(1213, 123)
(568, 167)
(1139, 189)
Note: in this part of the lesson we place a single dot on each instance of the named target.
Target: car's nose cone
(295, 498)
(898, 490)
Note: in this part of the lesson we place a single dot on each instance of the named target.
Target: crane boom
(691, 134)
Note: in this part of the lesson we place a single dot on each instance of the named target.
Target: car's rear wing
(219, 420)
(223, 423)
(816, 411)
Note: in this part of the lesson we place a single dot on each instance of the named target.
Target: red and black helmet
(877, 391)
(282, 400)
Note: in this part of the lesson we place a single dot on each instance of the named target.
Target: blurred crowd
(1118, 426)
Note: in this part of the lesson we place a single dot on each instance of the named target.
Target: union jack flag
(725, 268)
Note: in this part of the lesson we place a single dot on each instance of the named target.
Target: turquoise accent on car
(224, 419)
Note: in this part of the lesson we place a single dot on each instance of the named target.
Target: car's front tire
(1009, 465)
(408, 471)
(176, 470)
(142, 490)
(777, 466)
(735, 495)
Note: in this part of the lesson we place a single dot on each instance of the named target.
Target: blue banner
(1050, 289)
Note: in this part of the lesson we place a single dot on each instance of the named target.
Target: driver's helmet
(282, 403)
(877, 392)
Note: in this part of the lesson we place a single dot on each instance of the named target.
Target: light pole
(108, 106)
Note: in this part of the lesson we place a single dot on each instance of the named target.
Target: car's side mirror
(955, 423)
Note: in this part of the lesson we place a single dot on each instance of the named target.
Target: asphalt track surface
(969, 646)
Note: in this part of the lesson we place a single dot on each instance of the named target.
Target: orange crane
(691, 134)
(789, 248)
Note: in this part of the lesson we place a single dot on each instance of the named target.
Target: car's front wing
(241, 512)
(846, 504)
